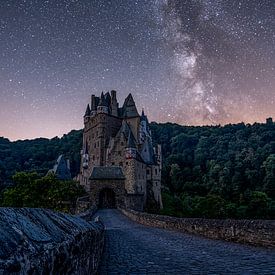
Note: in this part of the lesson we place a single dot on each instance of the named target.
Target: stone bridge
(132, 248)
(38, 241)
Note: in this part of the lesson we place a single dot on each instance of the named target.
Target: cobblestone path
(131, 248)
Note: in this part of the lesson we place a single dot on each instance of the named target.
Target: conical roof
(88, 111)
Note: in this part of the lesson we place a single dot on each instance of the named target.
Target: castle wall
(105, 147)
(97, 132)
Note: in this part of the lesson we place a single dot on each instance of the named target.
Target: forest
(208, 171)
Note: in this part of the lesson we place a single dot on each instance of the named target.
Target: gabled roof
(131, 143)
(129, 108)
(124, 129)
(128, 134)
(61, 169)
(107, 172)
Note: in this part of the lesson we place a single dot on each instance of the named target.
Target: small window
(95, 145)
(121, 164)
(119, 153)
(148, 172)
(156, 171)
(113, 163)
(122, 143)
(126, 162)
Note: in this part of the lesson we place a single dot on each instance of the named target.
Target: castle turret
(93, 105)
(114, 104)
(85, 157)
(131, 149)
(102, 107)
(119, 139)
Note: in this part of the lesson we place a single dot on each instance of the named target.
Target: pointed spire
(108, 98)
(129, 107)
(88, 111)
(102, 101)
(143, 116)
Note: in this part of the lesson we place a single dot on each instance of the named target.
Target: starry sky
(193, 62)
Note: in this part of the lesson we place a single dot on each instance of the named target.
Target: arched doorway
(107, 198)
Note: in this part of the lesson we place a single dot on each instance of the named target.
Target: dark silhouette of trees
(209, 171)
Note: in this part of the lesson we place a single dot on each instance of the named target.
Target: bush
(30, 190)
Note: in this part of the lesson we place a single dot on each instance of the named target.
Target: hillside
(38, 154)
(230, 165)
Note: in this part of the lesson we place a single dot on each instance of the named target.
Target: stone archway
(107, 198)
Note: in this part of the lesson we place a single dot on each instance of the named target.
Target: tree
(258, 205)
(269, 180)
(42, 192)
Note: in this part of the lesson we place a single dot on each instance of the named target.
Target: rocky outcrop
(40, 241)
(255, 232)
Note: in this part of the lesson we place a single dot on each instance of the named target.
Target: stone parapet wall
(40, 241)
(254, 232)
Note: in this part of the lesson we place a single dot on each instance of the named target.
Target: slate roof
(61, 169)
(129, 108)
(107, 172)
(88, 111)
(131, 140)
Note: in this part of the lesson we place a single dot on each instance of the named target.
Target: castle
(119, 165)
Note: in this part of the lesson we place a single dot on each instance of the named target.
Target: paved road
(132, 248)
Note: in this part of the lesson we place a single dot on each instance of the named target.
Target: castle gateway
(119, 165)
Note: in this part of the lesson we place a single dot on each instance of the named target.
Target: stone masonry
(255, 232)
(120, 167)
(40, 241)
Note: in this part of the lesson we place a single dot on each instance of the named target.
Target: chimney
(114, 103)
(93, 104)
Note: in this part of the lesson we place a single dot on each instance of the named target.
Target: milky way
(191, 62)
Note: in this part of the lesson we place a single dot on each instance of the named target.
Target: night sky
(193, 62)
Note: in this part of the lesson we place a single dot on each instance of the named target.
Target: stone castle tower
(119, 165)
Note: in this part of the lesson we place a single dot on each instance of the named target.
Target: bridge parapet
(40, 241)
(254, 232)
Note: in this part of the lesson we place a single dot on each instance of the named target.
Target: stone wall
(255, 232)
(82, 204)
(40, 241)
(134, 202)
(116, 185)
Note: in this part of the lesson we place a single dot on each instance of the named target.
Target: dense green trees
(30, 190)
(38, 155)
(216, 171)
(209, 171)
